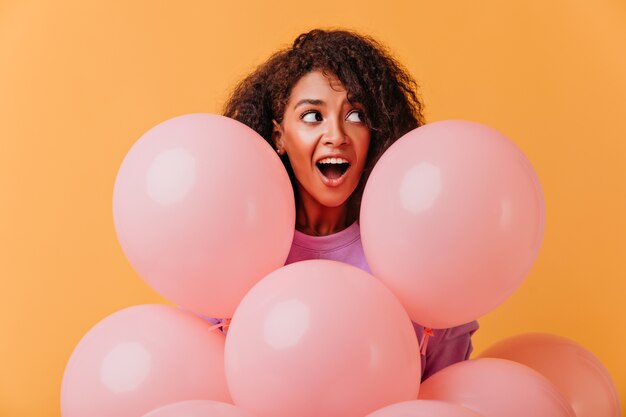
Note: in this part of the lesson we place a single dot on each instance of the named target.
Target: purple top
(445, 347)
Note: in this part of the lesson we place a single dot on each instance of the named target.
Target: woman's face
(325, 137)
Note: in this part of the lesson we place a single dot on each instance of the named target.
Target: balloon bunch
(452, 219)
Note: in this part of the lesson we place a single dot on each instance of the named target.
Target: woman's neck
(314, 219)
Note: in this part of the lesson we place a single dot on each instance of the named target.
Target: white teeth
(333, 161)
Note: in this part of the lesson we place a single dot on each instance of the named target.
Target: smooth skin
(319, 122)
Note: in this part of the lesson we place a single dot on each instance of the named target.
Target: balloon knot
(428, 333)
(225, 324)
(222, 325)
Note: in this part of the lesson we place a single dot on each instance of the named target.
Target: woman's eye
(312, 117)
(355, 116)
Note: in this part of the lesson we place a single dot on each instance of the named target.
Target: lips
(333, 169)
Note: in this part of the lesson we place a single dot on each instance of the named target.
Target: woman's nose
(335, 135)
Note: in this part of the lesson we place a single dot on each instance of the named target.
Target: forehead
(316, 85)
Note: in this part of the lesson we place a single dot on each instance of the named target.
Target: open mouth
(333, 168)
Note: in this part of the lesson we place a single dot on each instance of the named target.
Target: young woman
(330, 105)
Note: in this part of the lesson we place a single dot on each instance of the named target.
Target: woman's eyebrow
(308, 101)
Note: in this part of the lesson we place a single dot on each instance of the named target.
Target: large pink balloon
(320, 338)
(496, 388)
(203, 209)
(141, 358)
(424, 408)
(199, 408)
(452, 219)
(575, 371)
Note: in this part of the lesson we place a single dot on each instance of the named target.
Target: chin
(333, 203)
(327, 196)
(334, 199)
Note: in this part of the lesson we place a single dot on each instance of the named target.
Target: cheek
(363, 149)
(295, 138)
(299, 155)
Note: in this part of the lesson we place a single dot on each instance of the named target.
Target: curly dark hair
(368, 72)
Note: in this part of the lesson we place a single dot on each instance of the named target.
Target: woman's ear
(277, 137)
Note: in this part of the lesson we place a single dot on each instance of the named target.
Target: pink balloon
(199, 408)
(452, 219)
(496, 388)
(203, 209)
(576, 372)
(424, 408)
(141, 358)
(320, 338)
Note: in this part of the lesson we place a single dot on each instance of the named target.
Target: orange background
(81, 81)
